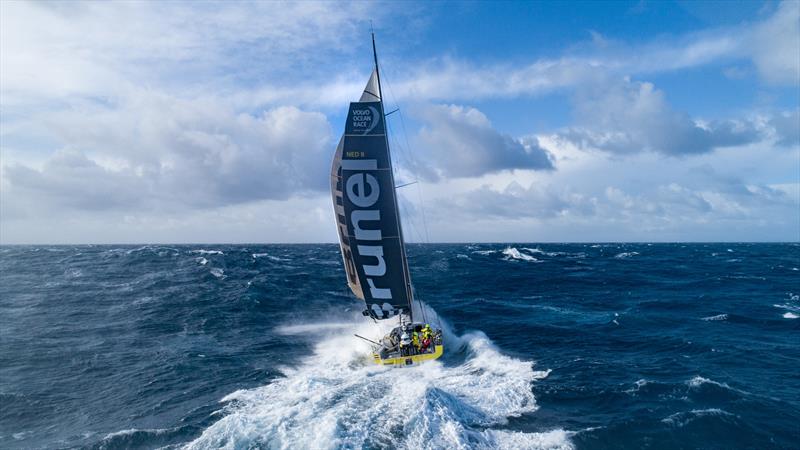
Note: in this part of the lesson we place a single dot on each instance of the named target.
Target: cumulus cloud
(774, 45)
(94, 48)
(787, 127)
(458, 141)
(518, 202)
(162, 116)
(649, 212)
(630, 116)
(161, 152)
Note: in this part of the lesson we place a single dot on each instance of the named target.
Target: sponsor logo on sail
(364, 120)
(363, 191)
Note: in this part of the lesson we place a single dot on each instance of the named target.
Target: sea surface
(556, 346)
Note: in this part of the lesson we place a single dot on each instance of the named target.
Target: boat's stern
(392, 355)
(411, 360)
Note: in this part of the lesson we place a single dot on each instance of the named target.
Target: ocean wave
(514, 254)
(639, 384)
(698, 381)
(142, 438)
(715, 318)
(268, 256)
(538, 251)
(625, 255)
(791, 308)
(157, 249)
(681, 419)
(73, 273)
(201, 260)
(132, 431)
(217, 272)
(484, 252)
(336, 398)
(208, 252)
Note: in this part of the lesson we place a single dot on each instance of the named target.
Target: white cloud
(627, 117)
(161, 152)
(774, 45)
(165, 120)
(458, 141)
(98, 49)
(594, 196)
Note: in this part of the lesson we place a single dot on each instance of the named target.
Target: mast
(409, 291)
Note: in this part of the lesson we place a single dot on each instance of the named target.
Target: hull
(412, 360)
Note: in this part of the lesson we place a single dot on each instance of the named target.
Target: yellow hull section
(405, 361)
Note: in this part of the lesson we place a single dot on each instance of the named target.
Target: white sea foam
(304, 329)
(539, 251)
(715, 318)
(682, 418)
(698, 381)
(791, 308)
(208, 252)
(624, 255)
(336, 398)
(514, 254)
(159, 250)
(462, 256)
(217, 272)
(73, 273)
(201, 260)
(484, 252)
(131, 431)
(640, 383)
(267, 255)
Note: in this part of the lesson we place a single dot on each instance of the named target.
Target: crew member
(427, 335)
(405, 344)
(415, 340)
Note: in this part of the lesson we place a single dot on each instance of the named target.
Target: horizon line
(407, 243)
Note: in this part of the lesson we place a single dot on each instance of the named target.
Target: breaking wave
(337, 398)
(208, 252)
(791, 308)
(718, 317)
(625, 255)
(513, 253)
(683, 418)
(267, 255)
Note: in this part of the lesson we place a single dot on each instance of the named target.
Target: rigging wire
(412, 163)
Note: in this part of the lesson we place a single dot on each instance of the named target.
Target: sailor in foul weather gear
(415, 340)
(426, 332)
(405, 343)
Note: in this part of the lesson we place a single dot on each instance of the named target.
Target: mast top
(375, 57)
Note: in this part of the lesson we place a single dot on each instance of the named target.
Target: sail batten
(365, 203)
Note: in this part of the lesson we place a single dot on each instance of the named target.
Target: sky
(204, 122)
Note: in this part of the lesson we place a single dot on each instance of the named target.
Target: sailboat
(370, 233)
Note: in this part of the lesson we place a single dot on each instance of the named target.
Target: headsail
(370, 235)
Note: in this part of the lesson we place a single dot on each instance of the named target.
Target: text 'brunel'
(363, 191)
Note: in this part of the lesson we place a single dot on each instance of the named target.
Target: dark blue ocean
(606, 346)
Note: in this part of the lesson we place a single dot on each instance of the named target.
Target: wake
(337, 398)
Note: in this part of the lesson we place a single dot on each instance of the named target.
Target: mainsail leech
(365, 203)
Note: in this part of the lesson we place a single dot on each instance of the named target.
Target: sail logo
(365, 120)
(363, 191)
